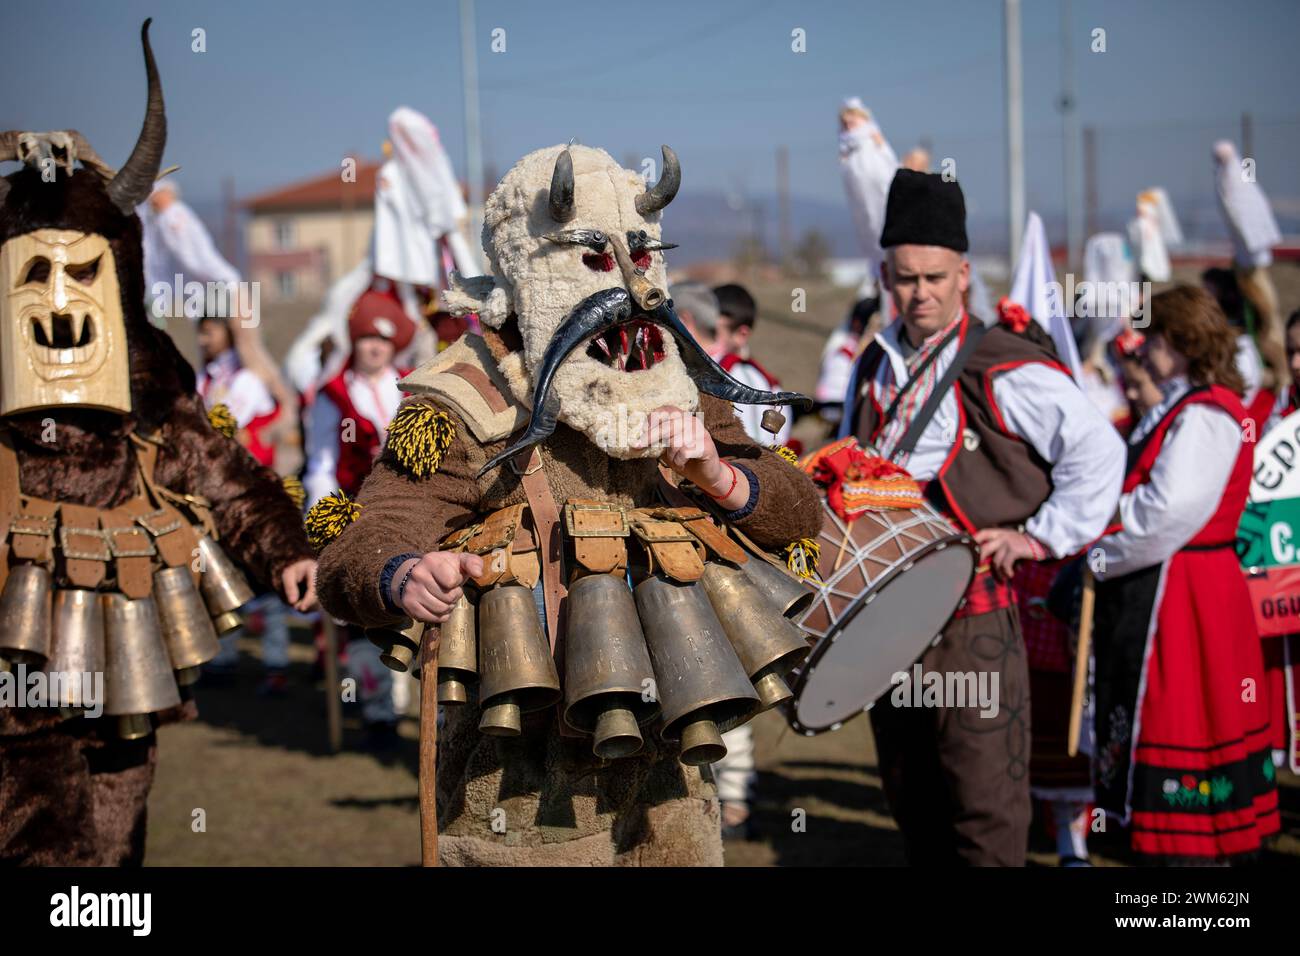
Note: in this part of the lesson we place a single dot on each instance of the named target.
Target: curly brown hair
(1193, 324)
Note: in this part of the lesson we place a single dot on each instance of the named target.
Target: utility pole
(783, 203)
(1070, 144)
(1247, 135)
(1091, 198)
(1015, 130)
(473, 135)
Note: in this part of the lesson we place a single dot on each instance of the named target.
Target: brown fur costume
(69, 794)
(562, 806)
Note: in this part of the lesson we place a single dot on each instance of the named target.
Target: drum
(890, 581)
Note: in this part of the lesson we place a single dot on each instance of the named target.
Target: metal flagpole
(1070, 144)
(473, 138)
(1015, 130)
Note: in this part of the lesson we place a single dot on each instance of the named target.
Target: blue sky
(285, 89)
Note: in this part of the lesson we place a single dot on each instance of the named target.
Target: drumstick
(844, 546)
(1081, 660)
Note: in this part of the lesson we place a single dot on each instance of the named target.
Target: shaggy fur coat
(69, 794)
(561, 805)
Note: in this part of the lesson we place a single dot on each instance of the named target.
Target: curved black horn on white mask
(662, 193)
(134, 181)
(599, 311)
(561, 197)
(710, 377)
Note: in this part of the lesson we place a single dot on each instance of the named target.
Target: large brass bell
(25, 615)
(77, 645)
(768, 645)
(138, 673)
(606, 666)
(516, 670)
(701, 685)
(790, 595)
(224, 587)
(397, 645)
(457, 654)
(187, 628)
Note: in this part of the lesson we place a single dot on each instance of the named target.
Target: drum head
(890, 629)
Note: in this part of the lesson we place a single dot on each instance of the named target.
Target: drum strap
(915, 430)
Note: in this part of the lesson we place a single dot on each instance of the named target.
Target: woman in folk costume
(1182, 721)
(348, 419)
(579, 398)
(110, 476)
(346, 427)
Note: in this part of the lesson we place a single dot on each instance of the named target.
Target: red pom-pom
(1013, 315)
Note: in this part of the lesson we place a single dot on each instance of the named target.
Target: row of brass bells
(787, 593)
(398, 646)
(187, 627)
(77, 643)
(457, 653)
(138, 671)
(517, 673)
(25, 615)
(225, 589)
(701, 685)
(768, 645)
(607, 666)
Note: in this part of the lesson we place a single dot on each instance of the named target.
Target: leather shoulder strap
(546, 520)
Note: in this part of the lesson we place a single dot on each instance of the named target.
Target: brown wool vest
(992, 478)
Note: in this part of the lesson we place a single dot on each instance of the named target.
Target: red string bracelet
(735, 478)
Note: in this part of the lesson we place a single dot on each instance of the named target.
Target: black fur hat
(924, 209)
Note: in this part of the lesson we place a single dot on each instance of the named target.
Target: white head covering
(1148, 233)
(867, 164)
(1108, 263)
(417, 202)
(1034, 286)
(1245, 209)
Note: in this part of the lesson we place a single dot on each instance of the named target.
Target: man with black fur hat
(1011, 450)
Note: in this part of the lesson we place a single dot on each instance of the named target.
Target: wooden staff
(429, 748)
(1081, 654)
(333, 689)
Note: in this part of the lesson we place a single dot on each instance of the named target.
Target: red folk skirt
(1200, 780)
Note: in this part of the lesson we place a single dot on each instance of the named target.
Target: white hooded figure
(1152, 231)
(1245, 208)
(417, 235)
(867, 165)
(176, 243)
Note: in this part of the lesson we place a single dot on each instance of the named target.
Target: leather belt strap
(85, 547)
(494, 541)
(133, 552)
(697, 522)
(670, 548)
(176, 539)
(598, 530)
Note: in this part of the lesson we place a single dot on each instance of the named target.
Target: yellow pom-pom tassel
(220, 418)
(801, 557)
(329, 517)
(294, 489)
(419, 436)
(786, 453)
